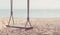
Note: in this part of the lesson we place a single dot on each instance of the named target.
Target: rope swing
(28, 19)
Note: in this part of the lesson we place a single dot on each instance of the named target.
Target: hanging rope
(11, 15)
(28, 19)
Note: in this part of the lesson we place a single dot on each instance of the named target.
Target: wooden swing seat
(19, 26)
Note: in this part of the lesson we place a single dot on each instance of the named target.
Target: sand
(41, 26)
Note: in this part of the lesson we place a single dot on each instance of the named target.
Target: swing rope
(28, 19)
(11, 15)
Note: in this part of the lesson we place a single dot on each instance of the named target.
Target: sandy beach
(41, 26)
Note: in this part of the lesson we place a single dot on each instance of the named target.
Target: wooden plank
(19, 27)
